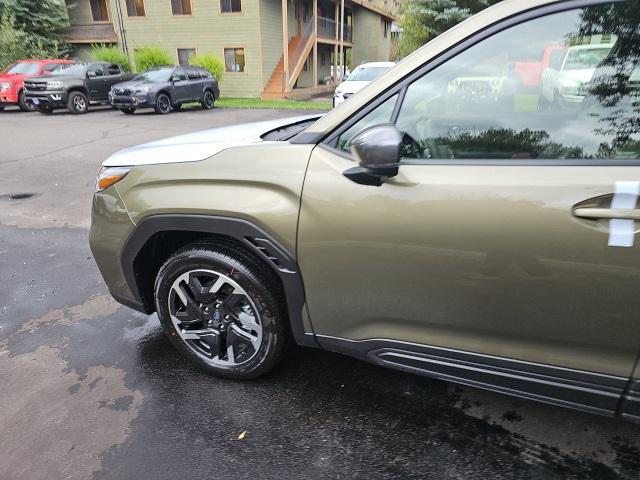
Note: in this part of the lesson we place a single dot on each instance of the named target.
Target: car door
(114, 75)
(503, 254)
(180, 86)
(96, 81)
(195, 84)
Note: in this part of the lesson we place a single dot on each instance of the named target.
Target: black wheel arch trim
(577, 389)
(255, 238)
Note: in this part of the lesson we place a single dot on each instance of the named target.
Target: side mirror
(377, 150)
(91, 74)
(175, 79)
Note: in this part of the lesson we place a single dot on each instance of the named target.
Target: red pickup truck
(530, 72)
(11, 92)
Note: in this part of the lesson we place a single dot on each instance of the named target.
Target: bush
(151, 57)
(210, 62)
(102, 53)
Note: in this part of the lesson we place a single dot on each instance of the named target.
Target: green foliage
(423, 20)
(210, 62)
(16, 44)
(43, 21)
(151, 57)
(104, 53)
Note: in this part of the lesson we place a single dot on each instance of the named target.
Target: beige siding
(80, 12)
(368, 42)
(271, 29)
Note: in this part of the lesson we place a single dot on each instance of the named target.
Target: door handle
(606, 213)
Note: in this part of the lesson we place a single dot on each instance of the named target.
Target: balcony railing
(294, 56)
(91, 33)
(327, 29)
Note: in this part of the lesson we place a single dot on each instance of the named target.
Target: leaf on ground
(241, 436)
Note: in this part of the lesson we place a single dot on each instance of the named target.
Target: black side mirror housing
(377, 150)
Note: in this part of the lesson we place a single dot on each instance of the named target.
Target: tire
(45, 110)
(251, 323)
(23, 104)
(1, 109)
(128, 111)
(208, 100)
(78, 103)
(163, 104)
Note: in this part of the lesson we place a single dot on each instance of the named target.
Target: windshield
(583, 58)
(24, 68)
(72, 69)
(153, 76)
(366, 74)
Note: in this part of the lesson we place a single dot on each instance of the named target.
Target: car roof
(44, 60)
(441, 43)
(376, 64)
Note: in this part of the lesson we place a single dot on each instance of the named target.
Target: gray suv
(165, 89)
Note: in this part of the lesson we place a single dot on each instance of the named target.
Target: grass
(272, 104)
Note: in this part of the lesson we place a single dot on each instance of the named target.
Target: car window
(381, 114)
(193, 75)
(50, 67)
(114, 70)
(24, 68)
(96, 70)
(481, 105)
(556, 59)
(179, 75)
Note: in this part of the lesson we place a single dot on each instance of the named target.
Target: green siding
(271, 29)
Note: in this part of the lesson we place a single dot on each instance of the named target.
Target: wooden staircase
(276, 88)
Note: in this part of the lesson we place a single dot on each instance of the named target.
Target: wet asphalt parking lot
(91, 389)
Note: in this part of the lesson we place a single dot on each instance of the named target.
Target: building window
(385, 27)
(184, 56)
(135, 8)
(234, 59)
(99, 10)
(231, 6)
(181, 7)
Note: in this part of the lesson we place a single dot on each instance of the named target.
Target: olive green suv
(446, 220)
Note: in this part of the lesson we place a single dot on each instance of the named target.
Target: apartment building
(271, 48)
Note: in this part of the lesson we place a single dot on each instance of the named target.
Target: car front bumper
(110, 228)
(48, 98)
(133, 101)
(8, 98)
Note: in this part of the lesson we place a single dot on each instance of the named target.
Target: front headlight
(54, 85)
(144, 90)
(110, 176)
(4, 86)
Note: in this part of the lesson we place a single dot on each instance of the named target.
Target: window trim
(136, 16)
(108, 10)
(329, 141)
(244, 48)
(195, 49)
(241, 12)
(179, 15)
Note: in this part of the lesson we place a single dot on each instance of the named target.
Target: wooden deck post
(285, 46)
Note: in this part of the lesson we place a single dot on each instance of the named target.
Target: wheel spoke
(208, 336)
(248, 322)
(243, 344)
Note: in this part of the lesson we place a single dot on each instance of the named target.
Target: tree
(40, 25)
(423, 20)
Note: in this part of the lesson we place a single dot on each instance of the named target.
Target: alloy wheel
(164, 104)
(208, 100)
(215, 317)
(79, 103)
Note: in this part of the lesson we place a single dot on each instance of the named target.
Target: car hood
(351, 87)
(582, 75)
(132, 84)
(11, 77)
(197, 146)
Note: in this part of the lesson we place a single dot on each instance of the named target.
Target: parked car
(563, 80)
(11, 89)
(164, 89)
(361, 76)
(491, 245)
(74, 87)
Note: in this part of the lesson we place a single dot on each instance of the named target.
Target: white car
(359, 78)
(562, 81)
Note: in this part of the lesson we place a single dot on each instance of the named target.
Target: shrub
(151, 57)
(102, 53)
(210, 62)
